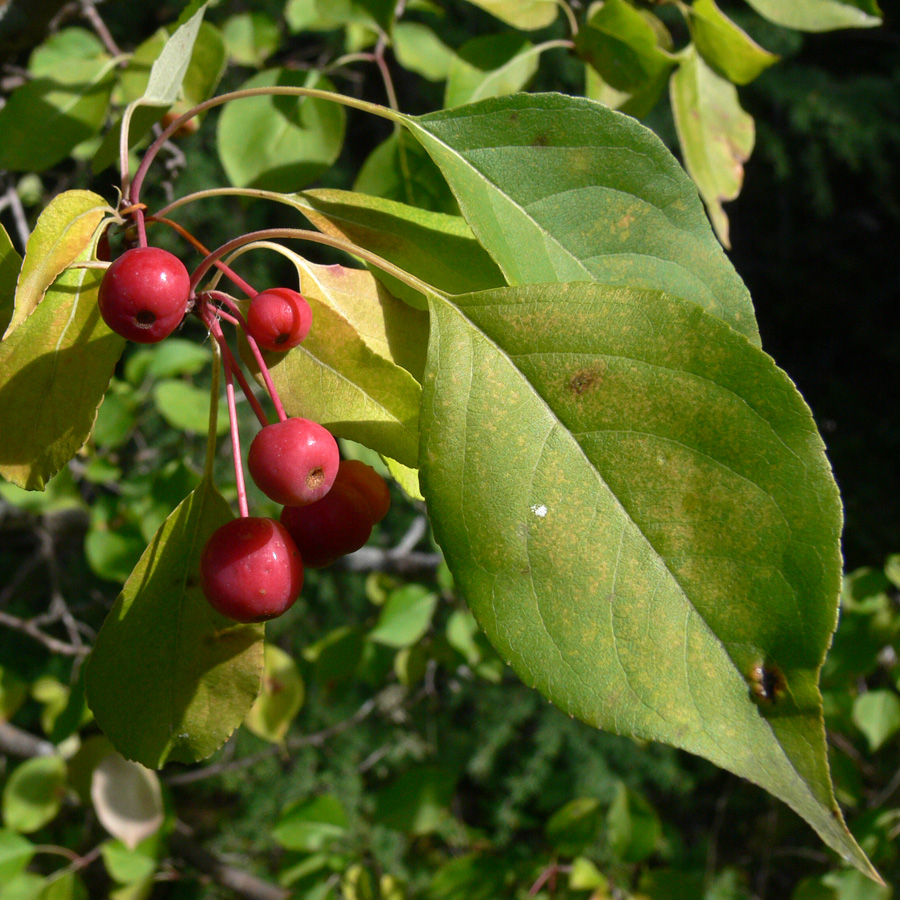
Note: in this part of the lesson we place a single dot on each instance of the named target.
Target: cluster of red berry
(252, 568)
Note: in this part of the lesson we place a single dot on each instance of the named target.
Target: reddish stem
(200, 248)
(257, 353)
(210, 320)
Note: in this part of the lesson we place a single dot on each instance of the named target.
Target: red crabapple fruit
(278, 319)
(294, 462)
(337, 524)
(369, 483)
(144, 294)
(251, 570)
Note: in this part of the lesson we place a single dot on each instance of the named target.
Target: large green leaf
(563, 189)
(820, 15)
(63, 231)
(437, 248)
(526, 14)
(54, 369)
(715, 134)
(347, 374)
(280, 143)
(638, 510)
(10, 264)
(169, 677)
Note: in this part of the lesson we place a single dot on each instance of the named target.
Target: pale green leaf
(10, 264)
(819, 15)
(877, 715)
(311, 825)
(250, 38)
(525, 168)
(346, 374)
(325, 15)
(64, 110)
(204, 69)
(728, 50)
(24, 886)
(170, 678)
(15, 853)
(406, 477)
(585, 876)
(54, 370)
(127, 799)
(168, 71)
(399, 169)
(280, 699)
(715, 134)
(528, 15)
(64, 230)
(405, 617)
(124, 865)
(280, 143)
(437, 248)
(659, 532)
(492, 65)
(33, 793)
(186, 407)
(420, 50)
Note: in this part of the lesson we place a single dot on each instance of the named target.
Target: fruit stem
(209, 318)
(232, 276)
(213, 429)
(134, 188)
(257, 353)
(235, 438)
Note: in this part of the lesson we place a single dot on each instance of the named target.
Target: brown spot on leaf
(584, 380)
(541, 140)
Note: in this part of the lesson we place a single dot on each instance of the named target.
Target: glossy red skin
(278, 319)
(251, 570)
(369, 483)
(337, 524)
(294, 462)
(144, 294)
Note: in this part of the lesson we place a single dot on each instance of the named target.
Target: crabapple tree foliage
(631, 496)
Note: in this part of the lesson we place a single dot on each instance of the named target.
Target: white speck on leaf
(539, 510)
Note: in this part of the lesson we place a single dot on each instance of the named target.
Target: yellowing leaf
(54, 369)
(715, 134)
(63, 232)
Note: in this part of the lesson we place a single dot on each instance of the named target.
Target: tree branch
(237, 880)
